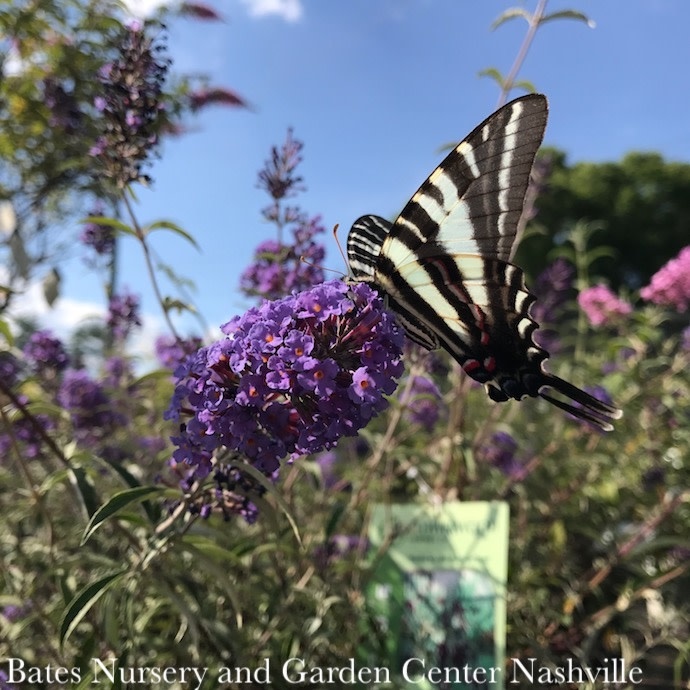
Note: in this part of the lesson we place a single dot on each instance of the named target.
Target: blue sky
(374, 88)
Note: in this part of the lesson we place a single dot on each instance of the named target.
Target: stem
(534, 21)
(149, 265)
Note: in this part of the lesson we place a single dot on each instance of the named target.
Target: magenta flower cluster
(292, 377)
(670, 285)
(600, 305)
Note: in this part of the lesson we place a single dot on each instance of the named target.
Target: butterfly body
(444, 264)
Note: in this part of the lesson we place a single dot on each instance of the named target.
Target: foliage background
(97, 558)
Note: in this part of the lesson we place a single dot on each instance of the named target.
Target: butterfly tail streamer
(584, 406)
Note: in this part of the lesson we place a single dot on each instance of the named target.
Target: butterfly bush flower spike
(131, 106)
(291, 378)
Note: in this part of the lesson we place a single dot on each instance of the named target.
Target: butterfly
(444, 266)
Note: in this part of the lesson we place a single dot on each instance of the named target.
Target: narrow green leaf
(5, 330)
(511, 13)
(170, 303)
(494, 74)
(113, 223)
(115, 504)
(169, 225)
(271, 489)
(86, 489)
(83, 601)
(525, 85)
(51, 286)
(569, 14)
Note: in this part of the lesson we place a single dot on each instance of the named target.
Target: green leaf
(51, 286)
(115, 504)
(86, 489)
(5, 330)
(569, 14)
(511, 13)
(494, 74)
(83, 601)
(169, 225)
(170, 303)
(271, 489)
(113, 223)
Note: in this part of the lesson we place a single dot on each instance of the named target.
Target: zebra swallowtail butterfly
(444, 263)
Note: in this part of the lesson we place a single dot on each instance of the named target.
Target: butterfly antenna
(303, 259)
(340, 248)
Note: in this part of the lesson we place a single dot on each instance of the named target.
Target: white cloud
(144, 8)
(67, 314)
(289, 10)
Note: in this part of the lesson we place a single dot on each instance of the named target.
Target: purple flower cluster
(292, 377)
(501, 452)
(101, 238)
(45, 353)
(278, 268)
(600, 305)
(278, 176)
(553, 285)
(64, 108)
(10, 368)
(123, 315)
(131, 106)
(171, 351)
(90, 408)
(22, 431)
(424, 407)
(670, 285)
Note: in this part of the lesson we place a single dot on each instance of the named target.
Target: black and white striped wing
(443, 264)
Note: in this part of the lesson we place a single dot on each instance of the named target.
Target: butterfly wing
(444, 263)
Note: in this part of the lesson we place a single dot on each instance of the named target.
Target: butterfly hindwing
(443, 264)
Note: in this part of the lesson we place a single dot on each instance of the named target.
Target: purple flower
(22, 434)
(290, 379)
(101, 238)
(670, 285)
(64, 108)
(278, 175)
(45, 353)
(554, 286)
(685, 339)
(501, 452)
(10, 367)
(123, 315)
(89, 406)
(130, 106)
(171, 351)
(279, 269)
(601, 305)
(424, 407)
(4, 682)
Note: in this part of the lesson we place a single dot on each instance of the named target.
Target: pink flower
(670, 285)
(600, 304)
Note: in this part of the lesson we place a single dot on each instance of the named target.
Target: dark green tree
(642, 205)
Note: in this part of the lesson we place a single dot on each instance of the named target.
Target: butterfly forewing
(473, 201)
